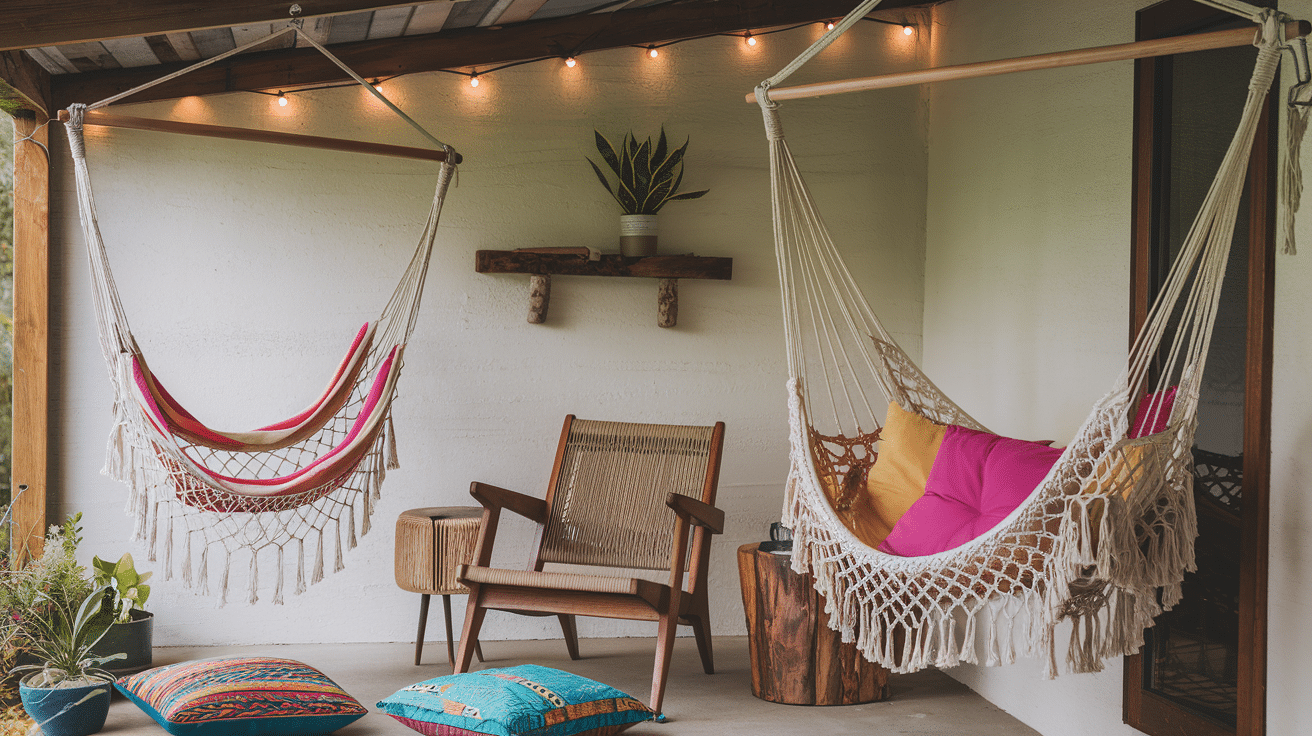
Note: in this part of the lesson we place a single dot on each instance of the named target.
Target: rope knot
(76, 113)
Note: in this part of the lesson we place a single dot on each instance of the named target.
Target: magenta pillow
(1144, 424)
(977, 480)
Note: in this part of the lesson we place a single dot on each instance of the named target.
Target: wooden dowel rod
(109, 120)
(1077, 57)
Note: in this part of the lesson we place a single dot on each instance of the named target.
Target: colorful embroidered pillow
(510, 701)
(907, 446)
(241, 695)
(977, 480)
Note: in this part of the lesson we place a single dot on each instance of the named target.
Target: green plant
(647, 176)
(34, 593)
(64, 638)
(128, 586)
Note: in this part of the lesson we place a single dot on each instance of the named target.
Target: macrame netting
(197, 503)
(1104, 540)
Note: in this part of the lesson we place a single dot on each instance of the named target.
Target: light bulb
(829, 26)
(282, 99)
(652, 52)
(751, 40)
(378, 85)
(473, 80)
(907, 30)
(570, 62)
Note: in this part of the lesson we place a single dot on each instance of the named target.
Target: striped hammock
(197, 492)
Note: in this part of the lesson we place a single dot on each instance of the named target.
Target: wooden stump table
(796, 658)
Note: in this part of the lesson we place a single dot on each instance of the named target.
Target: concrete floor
(696, 704)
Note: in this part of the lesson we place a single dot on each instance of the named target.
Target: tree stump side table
(431, 545)
(796, 658)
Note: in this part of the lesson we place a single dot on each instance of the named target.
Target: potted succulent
(647, 176)
(67, 693)
(132, 630)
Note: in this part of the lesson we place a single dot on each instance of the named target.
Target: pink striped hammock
(268, 491)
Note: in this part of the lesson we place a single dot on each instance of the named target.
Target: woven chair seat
(563, 581)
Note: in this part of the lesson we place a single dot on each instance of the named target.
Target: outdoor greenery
(6, 307)
(647, 176)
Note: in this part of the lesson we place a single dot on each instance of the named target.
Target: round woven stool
(431, 545)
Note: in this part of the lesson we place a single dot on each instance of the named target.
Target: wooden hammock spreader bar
(94, 117)
(1077, 57)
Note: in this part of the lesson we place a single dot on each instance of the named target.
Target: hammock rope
(1110, 527)
(251, 492)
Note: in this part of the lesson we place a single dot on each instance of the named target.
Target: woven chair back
(608, 503)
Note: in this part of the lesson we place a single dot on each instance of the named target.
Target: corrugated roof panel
(350, 27)
(390, 22)
(468, 14)
(131, 52)
(429, 18)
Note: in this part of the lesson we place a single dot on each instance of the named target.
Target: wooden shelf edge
(655, 267)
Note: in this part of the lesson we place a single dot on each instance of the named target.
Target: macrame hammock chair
(1110, 525)
(200, 492)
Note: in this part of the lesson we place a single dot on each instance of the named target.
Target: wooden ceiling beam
(26, 24)
(460, 48)
(24, 85)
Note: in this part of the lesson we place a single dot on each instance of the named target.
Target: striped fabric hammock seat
(195, 491)
(1100, 539)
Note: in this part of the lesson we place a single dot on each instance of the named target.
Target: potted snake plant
(647, 177)
(67, 693)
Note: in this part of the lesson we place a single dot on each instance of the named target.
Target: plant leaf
(689, 195)
(642, 171)
(607, 152)
(659, 152)
(602, 177)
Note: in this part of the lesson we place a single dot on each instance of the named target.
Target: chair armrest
(492, 497)
(696, 512)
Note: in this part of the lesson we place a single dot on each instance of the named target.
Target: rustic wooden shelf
(542, 266)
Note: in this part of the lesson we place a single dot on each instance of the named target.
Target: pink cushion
(1150, 419)
(976, 481)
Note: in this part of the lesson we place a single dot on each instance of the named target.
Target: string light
(751, 40)
(907, 30)
(570, 62)
(282, 99)
(378, 85)
(473, 79)
(652, 52)
(829, 26)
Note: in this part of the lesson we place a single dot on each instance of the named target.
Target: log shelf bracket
(541, 266)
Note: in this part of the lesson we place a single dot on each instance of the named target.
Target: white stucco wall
(1027, 282)
(245, 269)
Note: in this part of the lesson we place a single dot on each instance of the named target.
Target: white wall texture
(1026, 299)
(246, 268)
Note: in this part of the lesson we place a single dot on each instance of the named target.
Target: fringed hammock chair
(1109, 526)
(199, 492)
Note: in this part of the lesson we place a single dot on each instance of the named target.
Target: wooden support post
(539, 297)
(667, 303)
(31, 334)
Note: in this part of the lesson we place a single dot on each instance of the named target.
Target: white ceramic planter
(637, 235)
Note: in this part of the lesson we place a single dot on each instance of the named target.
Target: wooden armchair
(621, 495)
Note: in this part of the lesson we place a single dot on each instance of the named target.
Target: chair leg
(571, 634)
(469, 637)
(664, 649)
(478, 651)
(450, 644)
(701, 628)
(423, 623)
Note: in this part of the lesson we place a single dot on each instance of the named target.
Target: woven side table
(431, 545)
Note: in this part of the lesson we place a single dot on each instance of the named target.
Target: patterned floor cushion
(241, 695)
(514, 701)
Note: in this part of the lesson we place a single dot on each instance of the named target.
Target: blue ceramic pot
(67, 711)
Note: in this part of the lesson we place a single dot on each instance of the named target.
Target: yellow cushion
(908, 444)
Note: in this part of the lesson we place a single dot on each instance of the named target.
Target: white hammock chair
(210, 492)
(1111, 524)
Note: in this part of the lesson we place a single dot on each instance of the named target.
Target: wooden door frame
(1142, 708)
